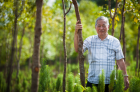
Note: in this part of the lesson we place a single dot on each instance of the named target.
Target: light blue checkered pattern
(102, 55)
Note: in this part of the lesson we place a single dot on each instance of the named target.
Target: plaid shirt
(102, 55)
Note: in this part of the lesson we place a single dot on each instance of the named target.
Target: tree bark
(36, 52)
(80, 44)
(10, 68)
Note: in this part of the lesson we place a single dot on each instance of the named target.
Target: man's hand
(121, 65)
(126, 82)
(78, 26)
(76, 41)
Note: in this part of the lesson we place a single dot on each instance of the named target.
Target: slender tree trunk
(122, 25)
(113, 16)
(65, 51)
(36, 52)
(64, 45)
(124, 46)
(7, 56)
(10, 68)
(113, 21)
(6, 63)
(30, 51)
(80, 44)
(137, 51)
(122, 33)
(20, 47)
(138, 45)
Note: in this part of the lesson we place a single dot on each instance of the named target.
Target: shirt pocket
(110, 53)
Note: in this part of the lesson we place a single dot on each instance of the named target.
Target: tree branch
(23, 3)
(109, 4)
(115, 8)
(68, 9)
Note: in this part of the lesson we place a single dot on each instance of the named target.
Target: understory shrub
(70, 82)
(78, 88)
(134, 84)
(101, 87)
(59, 82)
(112, 81)
(2, 83)
(119, 87)
(44, 78)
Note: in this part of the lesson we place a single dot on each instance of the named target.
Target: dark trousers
(90, 85)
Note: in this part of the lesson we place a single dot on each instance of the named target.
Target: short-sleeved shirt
(101, 56)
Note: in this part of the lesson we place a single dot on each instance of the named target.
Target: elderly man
(103, 50)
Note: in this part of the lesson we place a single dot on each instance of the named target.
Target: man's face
(102, 28)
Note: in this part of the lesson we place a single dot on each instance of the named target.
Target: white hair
(102, 18)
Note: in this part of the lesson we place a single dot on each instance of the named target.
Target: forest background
(51, 43)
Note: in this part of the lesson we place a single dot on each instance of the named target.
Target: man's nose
(101, 27)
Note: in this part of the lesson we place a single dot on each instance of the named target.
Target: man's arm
(76, 39)
(121, 65)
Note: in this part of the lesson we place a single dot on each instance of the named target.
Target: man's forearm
(122, 66)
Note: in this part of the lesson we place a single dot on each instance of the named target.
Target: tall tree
(122, 33)
(80, 45)
(113, 15)
(36, 52)
(123, 30)
(19, 50)
(137, 49)
(14, 40)
(64, 45)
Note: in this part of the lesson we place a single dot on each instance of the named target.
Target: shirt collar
(96, 36)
